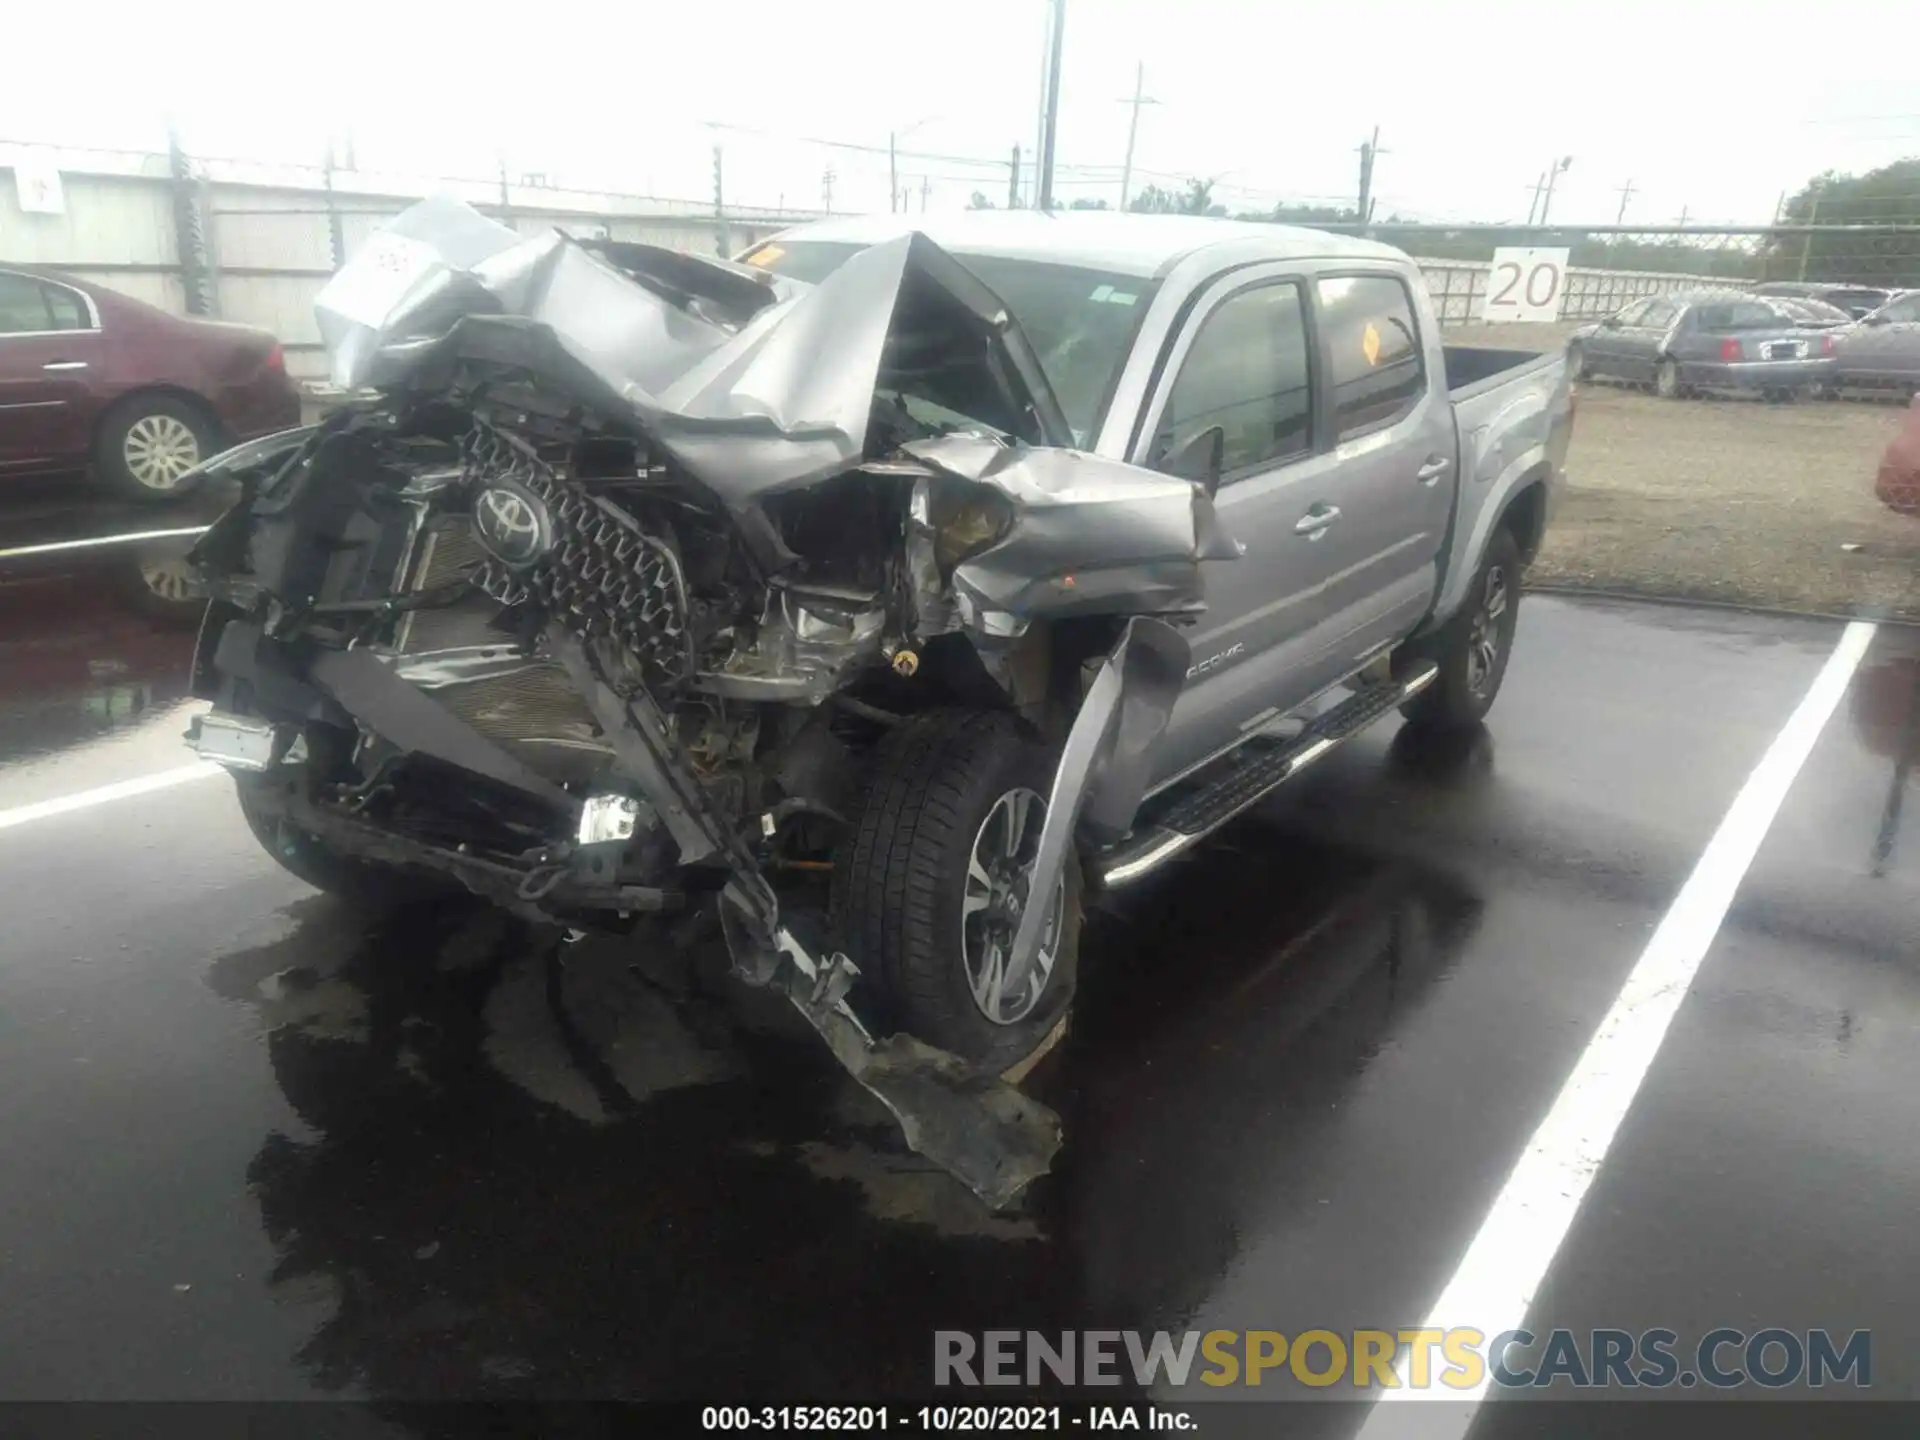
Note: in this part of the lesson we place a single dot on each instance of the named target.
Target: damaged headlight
(963, 518)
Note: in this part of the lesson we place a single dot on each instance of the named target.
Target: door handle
(65, 365)
(1316, 520)
(1433, 469)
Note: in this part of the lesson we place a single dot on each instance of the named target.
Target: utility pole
(1133, 127)
(926, 188)
(893, 176)
(1806, 243)
(1554, 172)
(1013, 181)
(722, 240)
(1538, 186)
(1683, 215)
(826, 190)
(1050, 121)
(1626, 194)
(1369, 150)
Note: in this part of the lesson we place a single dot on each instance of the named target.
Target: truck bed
(1472, 369)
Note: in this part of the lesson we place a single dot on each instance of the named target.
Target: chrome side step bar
(1240, 781)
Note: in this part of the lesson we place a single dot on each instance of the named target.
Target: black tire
(1666, 380)
(308, 858)
(1468, 682)
(903, 873)
(145, 439)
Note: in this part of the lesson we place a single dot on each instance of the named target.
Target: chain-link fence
(1743, 431)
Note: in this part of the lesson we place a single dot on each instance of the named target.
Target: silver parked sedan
(1695, 340)
(1883, 351)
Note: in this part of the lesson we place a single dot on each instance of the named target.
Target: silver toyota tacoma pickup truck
(892, 589)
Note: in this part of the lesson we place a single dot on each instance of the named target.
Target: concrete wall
(268, 229)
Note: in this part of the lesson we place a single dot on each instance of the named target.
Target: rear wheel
(930, 887)
(1576, 361)
(1666, 380)
(148, 443)
(1471, 649)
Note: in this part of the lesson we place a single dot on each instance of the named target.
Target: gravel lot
(1736, 501)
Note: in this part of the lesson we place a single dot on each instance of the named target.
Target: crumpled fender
(1102, 773)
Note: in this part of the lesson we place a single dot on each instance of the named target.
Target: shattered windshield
(1081, 322)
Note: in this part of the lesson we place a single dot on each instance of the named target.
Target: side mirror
(1199, 459)
(1612, 322)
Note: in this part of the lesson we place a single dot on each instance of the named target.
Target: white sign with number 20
(1525, 284)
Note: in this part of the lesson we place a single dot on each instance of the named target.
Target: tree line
(1887, 195)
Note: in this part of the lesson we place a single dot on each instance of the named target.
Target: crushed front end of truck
(631, 575)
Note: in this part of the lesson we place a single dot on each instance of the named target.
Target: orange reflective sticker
(765, 255)
(1370, 344)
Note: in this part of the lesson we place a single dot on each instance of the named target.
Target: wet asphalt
(260, 1146)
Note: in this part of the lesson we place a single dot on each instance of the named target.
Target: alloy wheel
(1483, 642)
(996, 895)
(160, 450)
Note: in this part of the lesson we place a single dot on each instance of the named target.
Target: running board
(1245, 778)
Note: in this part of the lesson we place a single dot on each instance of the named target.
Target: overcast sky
(1714, 109)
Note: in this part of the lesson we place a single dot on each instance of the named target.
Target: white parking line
(1498, 1276)
(54, 547)
(120, 790)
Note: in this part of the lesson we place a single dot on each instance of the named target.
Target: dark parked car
(88, 375)
(1856, 300)
(1883, 351)
(1696, 340)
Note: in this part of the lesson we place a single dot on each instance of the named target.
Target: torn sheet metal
(750, 401)
(1089, 536)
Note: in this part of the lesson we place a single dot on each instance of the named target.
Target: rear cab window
(1371, 338)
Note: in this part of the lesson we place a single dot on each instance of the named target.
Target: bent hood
(752, 382)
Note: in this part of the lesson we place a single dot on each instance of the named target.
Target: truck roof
(1114, 241)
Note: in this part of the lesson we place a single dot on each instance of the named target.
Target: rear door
(49, 349)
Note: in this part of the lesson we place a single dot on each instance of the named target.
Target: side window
(1631, 315)
(1904, 312)
(68, 307)
(1659, 315)
(1246, 372)
(23, 306)
(1374, 342)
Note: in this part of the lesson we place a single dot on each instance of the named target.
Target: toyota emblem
(512, 524)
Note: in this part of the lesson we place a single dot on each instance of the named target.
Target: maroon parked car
(90, 376)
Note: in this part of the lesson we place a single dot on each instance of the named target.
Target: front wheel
(929, 888)
(1576, 361)
(1472, 648)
